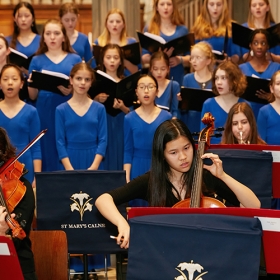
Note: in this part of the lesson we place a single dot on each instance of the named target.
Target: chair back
(50, 254)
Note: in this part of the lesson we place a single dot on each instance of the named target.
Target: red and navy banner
(194, 246)
(65, 201)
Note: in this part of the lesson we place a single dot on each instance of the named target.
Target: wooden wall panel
(42, 14)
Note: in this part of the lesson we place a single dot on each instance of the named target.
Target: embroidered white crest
(191, 269)
(79, 204)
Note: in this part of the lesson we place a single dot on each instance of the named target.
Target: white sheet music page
(270, 224)
(4, 249)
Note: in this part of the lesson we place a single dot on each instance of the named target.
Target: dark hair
(158, 56)
(66, 46)
(147, 75)
(11, 65)
(242, 107)
(120, 70)
(159, 184)
(236, 79)
(7, 150)
(16, 29)
(260, 31)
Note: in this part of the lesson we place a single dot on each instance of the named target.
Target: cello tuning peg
(23, 223)
(219, 129)
(195, 133)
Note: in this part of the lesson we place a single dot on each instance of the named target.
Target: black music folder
(241, 35)
(254, 84)
(194, 98)
(19, 58)
(48, 80)
(153, 43)
(131, 53)
(124, 89)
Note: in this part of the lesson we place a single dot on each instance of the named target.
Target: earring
(251, 53)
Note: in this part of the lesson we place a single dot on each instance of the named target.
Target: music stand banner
(194, 246)
(251, 168)
(65, 201)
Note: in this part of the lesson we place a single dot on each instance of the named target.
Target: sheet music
(275, 155)
(270, 224)
(4, 249)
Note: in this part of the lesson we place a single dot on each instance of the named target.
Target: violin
(12, 190)
(197, 199)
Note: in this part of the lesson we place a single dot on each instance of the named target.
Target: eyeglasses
(197, 58)
(149, 87)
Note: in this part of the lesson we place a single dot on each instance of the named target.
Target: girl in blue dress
(80, 125)
(167, 89)
(20, 120)
(113, 65)
(69, 14)
(4, 52)
(229, 83)
(25, 38)
(269, 115)
(55, 54)
(211, 26)
(269, 121)
(202, 62)
(139, 129)
(169, 24)
(115, 33)
(258, 65)
(260, 16)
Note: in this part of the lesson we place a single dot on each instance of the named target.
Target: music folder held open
(153, 43)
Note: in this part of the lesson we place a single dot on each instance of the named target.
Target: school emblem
(191, 269)
(81, 203)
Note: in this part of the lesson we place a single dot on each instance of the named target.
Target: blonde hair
(271, 84)
(203, 27)
(206, 48)
(105, 36)
(268, 17)
(176, 18)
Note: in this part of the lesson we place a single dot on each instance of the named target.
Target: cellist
(23, 211)
(170, 179)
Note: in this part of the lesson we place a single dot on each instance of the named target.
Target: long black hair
(159, 184)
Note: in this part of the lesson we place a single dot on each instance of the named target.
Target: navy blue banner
(251, 168)
(194, 246)
(65, 201)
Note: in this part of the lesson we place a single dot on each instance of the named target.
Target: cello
(197, 199)
(12, 190)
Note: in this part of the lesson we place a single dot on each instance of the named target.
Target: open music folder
(241, 35)
(153, 43)
(19, 58)
(48, 80)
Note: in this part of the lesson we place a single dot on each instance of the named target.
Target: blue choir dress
(217, 44)
(82, 47)
(269, 130)
(168, 100)
(22, 129)
(80, 138)
(212, 106)
(138, 140)
(193, 118)
(177, 72)
(248, 70)
(29, 50)
(46, 104)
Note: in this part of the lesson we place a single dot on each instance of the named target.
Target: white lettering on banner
(82, 226)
